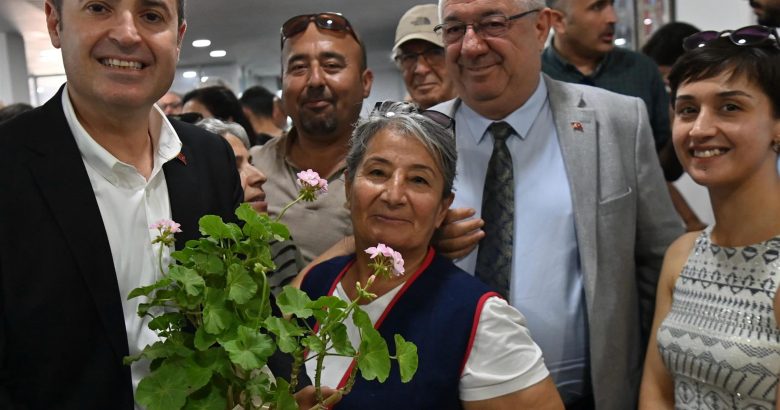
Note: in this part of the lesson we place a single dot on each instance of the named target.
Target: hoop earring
(776, 146)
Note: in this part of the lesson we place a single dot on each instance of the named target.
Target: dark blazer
(62, 334)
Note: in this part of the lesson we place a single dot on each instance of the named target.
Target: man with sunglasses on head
(419, 54)
(324, 81)
(559, 186)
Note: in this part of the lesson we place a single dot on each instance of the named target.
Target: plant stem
(279, 217)
(297, 363)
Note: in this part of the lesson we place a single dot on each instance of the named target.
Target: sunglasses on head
(746, 36)
(326, 21)
(391, 108)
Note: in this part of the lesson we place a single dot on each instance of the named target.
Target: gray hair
(404, 118)
(522, 4)
(221, 128)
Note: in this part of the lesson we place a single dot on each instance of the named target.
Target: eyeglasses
(391, 108)
(746, 36)
(432, 55)
(326, 21)
(488, 26)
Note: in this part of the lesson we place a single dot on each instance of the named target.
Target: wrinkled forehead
(468, 9)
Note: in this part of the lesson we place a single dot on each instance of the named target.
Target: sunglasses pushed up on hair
(326, 21)
(749, 36)
(384, 108)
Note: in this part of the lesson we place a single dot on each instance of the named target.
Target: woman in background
(218, 102)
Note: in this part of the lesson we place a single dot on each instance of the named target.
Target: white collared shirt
(128, 205)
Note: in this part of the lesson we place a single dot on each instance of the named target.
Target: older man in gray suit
(561, 187)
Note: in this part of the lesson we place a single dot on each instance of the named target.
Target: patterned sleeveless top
(720, 341)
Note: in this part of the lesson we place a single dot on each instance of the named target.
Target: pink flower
(311, 179)
(386, 259)
(380, 249)
(398, 263)
(311, 185)
(166, 225)
(166, 229)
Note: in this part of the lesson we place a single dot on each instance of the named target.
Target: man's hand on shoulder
(459, 234)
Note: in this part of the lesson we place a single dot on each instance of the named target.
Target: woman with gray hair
(285, 254)
(474, 348)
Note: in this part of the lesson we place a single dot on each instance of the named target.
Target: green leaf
(208, 263)
(163, 389)
(212, 225)
(329, 302)
(216, 316)
(293, 301)
(166, 321)
(241, 287)
(184, 255)
(246, 213)
(361, 320)
(204, 339)
(284, 400)
(314, 344)
(260, 385)
(374, 357)
(341, 343)
(280, 231)
(168, 386)
(251, 349)
(286, 332)
(189, 278)
(406, 354)
(146, 290)
(208, 398)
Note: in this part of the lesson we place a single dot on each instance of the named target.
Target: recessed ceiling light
(204, 78)
(189, 74)
(648, 22)
(201, 43)
(218, 53)
(620, 42)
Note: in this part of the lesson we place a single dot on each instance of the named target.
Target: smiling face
(427, 81)
(252, 179)
(495, 76)
(395, 197)
(723, 131)
(120, 54)
(323, 83)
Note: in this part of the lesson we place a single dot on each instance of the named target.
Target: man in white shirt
(83, 177)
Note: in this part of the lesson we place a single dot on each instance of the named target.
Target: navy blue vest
(436, 310)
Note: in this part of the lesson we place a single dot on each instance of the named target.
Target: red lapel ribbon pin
(182, 158)
(577, 126)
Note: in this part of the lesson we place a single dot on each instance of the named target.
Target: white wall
(715, 14)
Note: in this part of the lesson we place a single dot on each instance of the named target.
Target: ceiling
(247, 29)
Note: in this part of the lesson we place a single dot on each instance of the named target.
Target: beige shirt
(314, 226)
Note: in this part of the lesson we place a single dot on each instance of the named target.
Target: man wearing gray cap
(419, 54)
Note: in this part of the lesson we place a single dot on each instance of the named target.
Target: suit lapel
(576, 126)
(183, 192)
(60, 175)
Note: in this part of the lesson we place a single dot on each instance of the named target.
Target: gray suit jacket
(624, 221)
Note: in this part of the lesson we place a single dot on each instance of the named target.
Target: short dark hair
(258, 100)
(179, 9)
(759, 64)
(665, 46)
(223, 104)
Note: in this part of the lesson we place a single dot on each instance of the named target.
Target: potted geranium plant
(212, 311)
